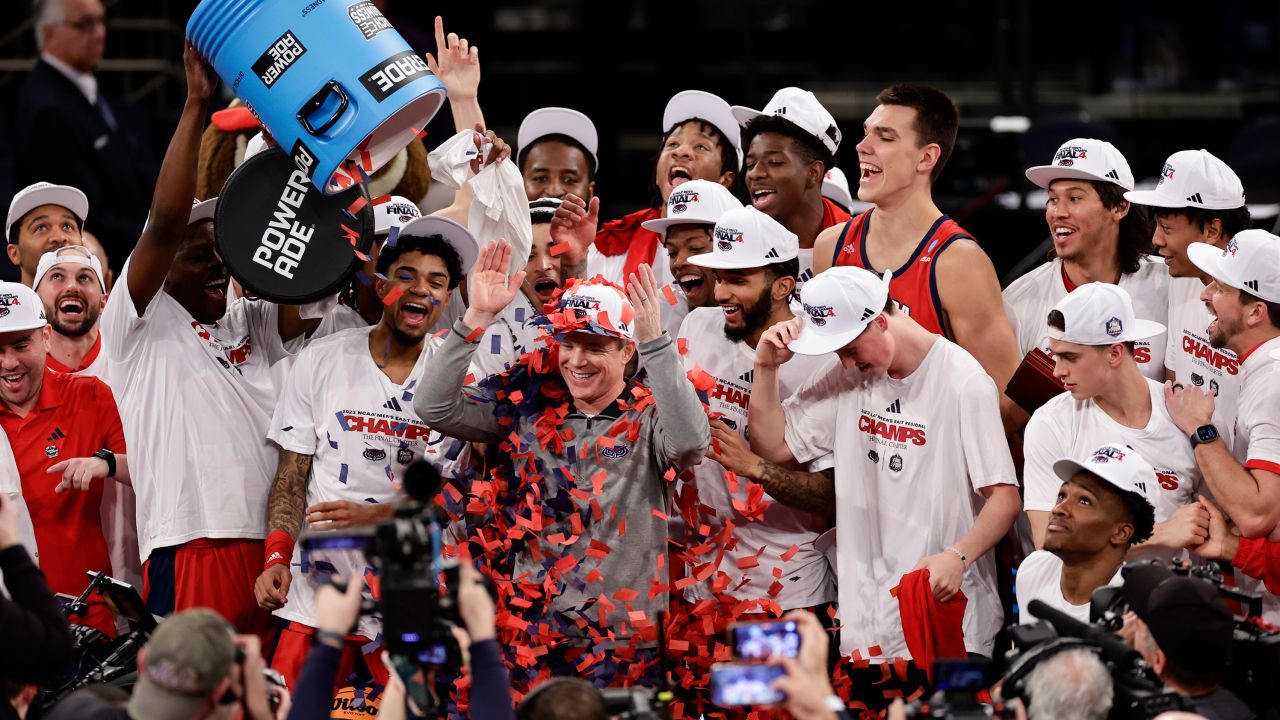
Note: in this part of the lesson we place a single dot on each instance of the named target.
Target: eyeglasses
(86, 24)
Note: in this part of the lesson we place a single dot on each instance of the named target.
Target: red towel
(625, 235)
(933, 629)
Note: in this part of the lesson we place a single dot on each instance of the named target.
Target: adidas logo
(392, 404)
(1113, 175)
(1195, 198)
(57, 435)
(866, 313)
(895, 407)
(1252, 285)
(748, 376)
(773, 253)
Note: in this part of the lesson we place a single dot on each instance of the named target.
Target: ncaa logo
(895, 463)
(404, 456)
(818, 314)
(615, 452)
(1115, 327)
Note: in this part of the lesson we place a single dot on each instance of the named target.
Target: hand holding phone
(765, 640)
(734, 684)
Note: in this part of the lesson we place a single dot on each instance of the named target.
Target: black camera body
(418, 587)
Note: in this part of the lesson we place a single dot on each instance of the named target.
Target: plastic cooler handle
(317, 101)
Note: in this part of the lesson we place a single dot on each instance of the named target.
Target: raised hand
(647, 301)
(772, 349)
(499, 150)
(201, 80)
(489, 288)
(458, 66)
(575, 222)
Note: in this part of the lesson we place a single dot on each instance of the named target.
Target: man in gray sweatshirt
(582, 508)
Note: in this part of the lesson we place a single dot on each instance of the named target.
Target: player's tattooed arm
(287, 501)
(813, 492)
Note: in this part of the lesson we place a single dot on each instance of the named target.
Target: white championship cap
(835, 187)
(20, 308)
(1249, 262)
(747, 238)
(1084, 159)
(1120, 466)
(1100, 314)
(42, 193)
(559, 121)
(1193, 178)
(69, 255)
(841, 304)
(697, 202)
(202, 210)
(691, 104)
(802, 108)
(594, 306)
(458, 237)
(397, 211)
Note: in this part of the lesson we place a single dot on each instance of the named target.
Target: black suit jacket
(60, 138)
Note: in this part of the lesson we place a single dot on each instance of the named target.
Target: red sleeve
(1258, 558)
(112, 427)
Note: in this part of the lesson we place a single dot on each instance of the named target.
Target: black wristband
(110, 457)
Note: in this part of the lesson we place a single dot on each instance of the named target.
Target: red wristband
(278, 549)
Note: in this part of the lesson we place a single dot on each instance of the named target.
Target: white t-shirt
(1257, 439)
(362, 433)
(1029, 299)
(805, 576)
(1064, 427)
(195, 400)
(1040, 578)
(11, 485)
(805, 273)
(513, 333)
(911, 456)
(611, 266)
(1194, 361)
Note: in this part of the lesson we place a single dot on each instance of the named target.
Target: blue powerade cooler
(336, 85)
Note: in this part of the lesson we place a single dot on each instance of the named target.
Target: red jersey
(74, 417)
(625, 235)
(914, 286)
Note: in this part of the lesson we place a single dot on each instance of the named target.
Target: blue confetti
(332, 443)
(286, 428)
(342, 475)
(364, 279)
(393, 235)
(342, 421)
(495, 344)
(520, 315)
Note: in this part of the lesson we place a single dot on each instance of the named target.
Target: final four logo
(8, 300)
(1166, 173)
(819, 313)
(581, 302)
(1106, 454)
(1115, 327)
(726, 237)
(1067, 156)
(680, 200)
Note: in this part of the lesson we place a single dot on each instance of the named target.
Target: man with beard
(347, 433)
(1244, 299)
(66, 435)
(755, 276)
(1198, 199)
(692, 212)
(941, 276)
(43, 217)
(1097, 237)
(700, 142)
(192, 374)
(516, 329)
(791, 145)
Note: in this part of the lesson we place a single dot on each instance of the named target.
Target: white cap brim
(744, 114)
(203, 210)
(812, 343)
(837, 194)
(1066, 469)
(61, 195)
(1155, 198)
(1138, 329)
(458, 237)
(1044, 176)
(1209, 259)
(559, 121)
(661, 225)
(722, 261)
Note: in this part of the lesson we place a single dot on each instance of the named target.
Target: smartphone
(764, 640)
(414, 678)
(733, 684)
(960, 681)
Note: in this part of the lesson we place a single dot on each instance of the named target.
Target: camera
(418, 587)
(959, 683)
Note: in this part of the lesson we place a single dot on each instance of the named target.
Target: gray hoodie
(672, 433)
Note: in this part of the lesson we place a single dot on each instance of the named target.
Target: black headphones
(1015, 681)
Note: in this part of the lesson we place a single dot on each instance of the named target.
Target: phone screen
(733, 685)
(763, 640)
(414, 678)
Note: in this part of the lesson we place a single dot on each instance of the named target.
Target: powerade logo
(726, 237)
(278, 58)
(818, 314)
(303, 157)
(368, 19)
(680, 200)
(393, 73)
(1166, 173)
(1067, 156)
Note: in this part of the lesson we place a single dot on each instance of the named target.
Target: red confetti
(355, 207)
(669, 294)
(381, 199)
(392, 295)
(560, 248)
(661, 516)
(790, 553)
(475, 335)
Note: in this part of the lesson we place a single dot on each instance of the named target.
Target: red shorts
(214, 573)
(294, 642)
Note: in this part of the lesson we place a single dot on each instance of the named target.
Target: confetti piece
(495, 345)
(669, 294)
(392, 295)
(560, 248)
(660, 515)
(356, 206)
(393, 235)
(381, 199)
(475, 335)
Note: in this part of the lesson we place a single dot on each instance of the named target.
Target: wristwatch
(110, 458)
(1203, 434)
